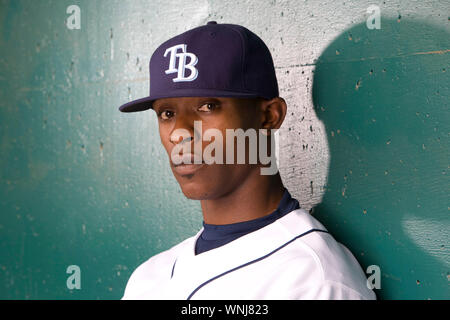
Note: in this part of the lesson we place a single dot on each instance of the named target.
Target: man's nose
(180, 136)
(183, 131)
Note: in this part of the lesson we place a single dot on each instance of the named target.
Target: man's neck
(257, 196)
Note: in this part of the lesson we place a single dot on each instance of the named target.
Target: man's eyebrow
(197, 101)
(209, 99)
(162, 104)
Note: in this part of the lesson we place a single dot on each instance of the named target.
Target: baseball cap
(214, 60)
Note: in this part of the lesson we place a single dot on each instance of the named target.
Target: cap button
(212, 22)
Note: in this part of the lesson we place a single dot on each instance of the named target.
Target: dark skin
(229, 193)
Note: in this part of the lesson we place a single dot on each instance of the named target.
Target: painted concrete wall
(365, 142)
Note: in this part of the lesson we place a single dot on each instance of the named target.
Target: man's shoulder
(156, 268)
(335, 267)
(162, 259)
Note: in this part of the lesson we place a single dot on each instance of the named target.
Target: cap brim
(137, 105)
(146, 103)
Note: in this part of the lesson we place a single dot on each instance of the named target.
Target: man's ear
(273, 111)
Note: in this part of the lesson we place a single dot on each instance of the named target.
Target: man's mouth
(185, 164)
(186, 159)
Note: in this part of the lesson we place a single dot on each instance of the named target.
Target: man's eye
(207, 107)
(166, 114)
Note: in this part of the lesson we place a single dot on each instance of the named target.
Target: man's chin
(194, 193)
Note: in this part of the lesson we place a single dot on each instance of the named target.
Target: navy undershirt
(214, 236)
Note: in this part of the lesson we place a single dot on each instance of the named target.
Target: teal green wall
(80, 183)
(83, 184)
(384, 100)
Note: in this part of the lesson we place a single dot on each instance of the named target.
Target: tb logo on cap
(182, 56)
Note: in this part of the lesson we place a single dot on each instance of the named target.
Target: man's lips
(185, 164)
(185, 159)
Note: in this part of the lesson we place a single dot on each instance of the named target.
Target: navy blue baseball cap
(214, 60)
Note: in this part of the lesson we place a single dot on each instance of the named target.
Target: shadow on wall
(383, 96)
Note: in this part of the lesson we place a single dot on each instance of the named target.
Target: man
(256, 242)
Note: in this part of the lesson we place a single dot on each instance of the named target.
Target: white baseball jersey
(291, 258)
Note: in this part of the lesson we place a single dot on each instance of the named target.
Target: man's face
(205, 181)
